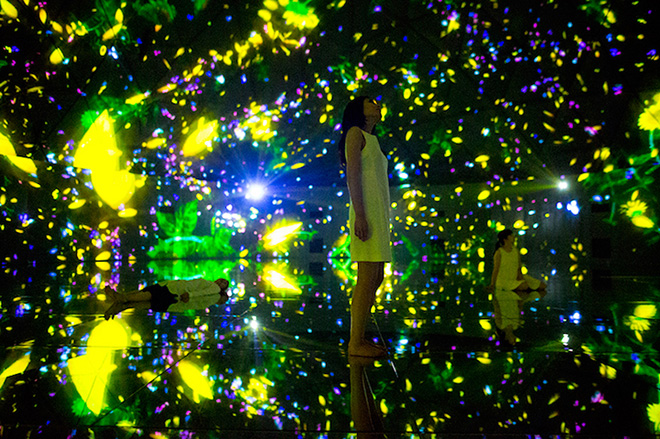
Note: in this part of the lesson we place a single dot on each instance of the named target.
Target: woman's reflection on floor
(171, 296)
(367, 419)
(508, 306)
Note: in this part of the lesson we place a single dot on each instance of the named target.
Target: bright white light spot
(254, 324)
(573, 207)
(255, 191)
(562, 185)
(565, 339)
(239, 133)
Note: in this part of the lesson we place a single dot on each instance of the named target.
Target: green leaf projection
(182, 223)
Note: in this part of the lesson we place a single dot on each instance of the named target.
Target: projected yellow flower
(634, 207)
(255, 394)
(643, 221)
(649, 120)
(22, 163)
(259, 122)
(640, 320)
(280, 281)
(90, 372)
(8, 9)
(98, 152)
(636, 210)
(653, 412)
(637, 324)
(194, 378)
(299, 15)
(201, 139)
(16, 367)
(295, 14)
(279, 235)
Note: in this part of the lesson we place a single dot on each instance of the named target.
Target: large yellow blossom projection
(195, 378)
(201, 139)
(90, 372)
(98, 152)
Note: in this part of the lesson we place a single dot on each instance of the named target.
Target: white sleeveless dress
(376, 198)
(508, 273)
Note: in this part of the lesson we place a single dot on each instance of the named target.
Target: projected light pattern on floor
(174, 139)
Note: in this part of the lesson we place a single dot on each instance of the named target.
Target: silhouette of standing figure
(367, 178)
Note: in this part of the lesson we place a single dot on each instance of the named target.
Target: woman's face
(372, 108)
(510, 240)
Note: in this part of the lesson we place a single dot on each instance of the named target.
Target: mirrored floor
(272, 361)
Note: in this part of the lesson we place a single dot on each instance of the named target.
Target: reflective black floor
(272, 361)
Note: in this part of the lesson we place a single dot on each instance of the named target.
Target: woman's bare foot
(366, 349)
(114, 309)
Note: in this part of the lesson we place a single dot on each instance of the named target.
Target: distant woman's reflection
(510, 287)
(366, 416)
(508, 306)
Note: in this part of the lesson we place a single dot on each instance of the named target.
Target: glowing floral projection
(145, 141)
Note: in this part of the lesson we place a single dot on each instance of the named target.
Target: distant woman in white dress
(507, 268)
(369, 214)
(511, 288)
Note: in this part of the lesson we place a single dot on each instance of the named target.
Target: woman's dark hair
(504, 234)
(353, 117)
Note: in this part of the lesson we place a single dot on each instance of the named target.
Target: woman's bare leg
(370, 276)
(117, 307)
(522, 287)
(508, 334)
(133, 296)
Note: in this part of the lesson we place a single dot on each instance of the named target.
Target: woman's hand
(361, 228)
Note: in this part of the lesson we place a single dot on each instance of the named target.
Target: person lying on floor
(170, 296)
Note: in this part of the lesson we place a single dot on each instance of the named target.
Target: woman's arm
(497, 260)
(520, 275)
(354, 145)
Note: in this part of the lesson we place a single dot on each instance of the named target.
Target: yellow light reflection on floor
(90, 372)
(16, 367)
(194, 378)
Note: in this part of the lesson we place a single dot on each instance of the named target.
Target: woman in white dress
(510, 286)
(369, 220)
(507, 268)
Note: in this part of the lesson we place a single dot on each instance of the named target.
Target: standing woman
(369, 215)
